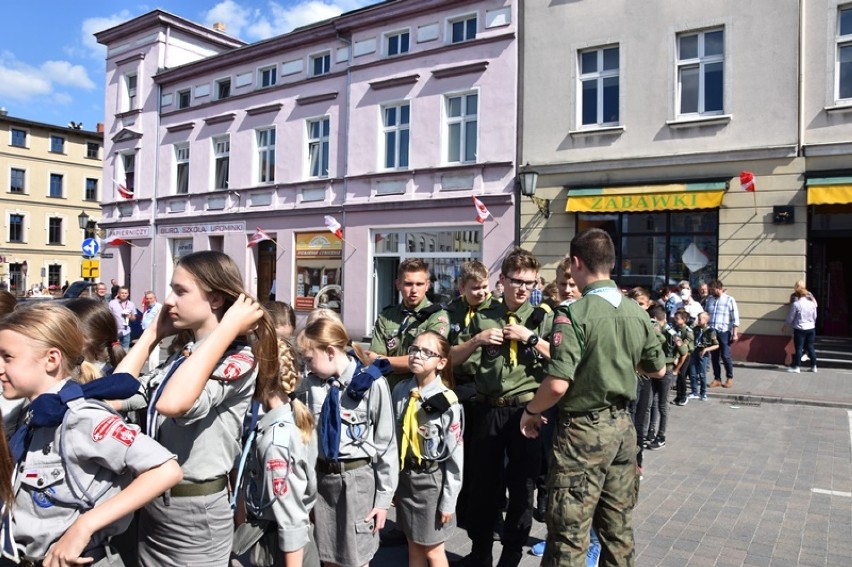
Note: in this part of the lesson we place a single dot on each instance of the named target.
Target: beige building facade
(48, 175)
(640, 118)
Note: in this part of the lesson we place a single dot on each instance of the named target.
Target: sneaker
(692, 397)
(814, 369)
(704, 398)
(641, 471)
(657, 444)
(794, 369)
(538, 549)
(682, 402)
(593, 555)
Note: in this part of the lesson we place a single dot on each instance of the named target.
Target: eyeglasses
(422, 353)
(529, 284)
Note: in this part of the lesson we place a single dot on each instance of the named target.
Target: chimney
(3, 111)
(219, 27)
(100, 127)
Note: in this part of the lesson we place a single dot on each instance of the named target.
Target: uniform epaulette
(439, 403)
(540, 313)
(429, 310)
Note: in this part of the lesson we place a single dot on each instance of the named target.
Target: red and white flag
(747, 181)
(334, 226)
(113, 241)
(258, 236)
(122, 190)
(481, 211)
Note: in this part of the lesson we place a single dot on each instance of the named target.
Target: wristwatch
(532, 341)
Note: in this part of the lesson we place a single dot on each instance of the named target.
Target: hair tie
(81, 360)
(115, 344)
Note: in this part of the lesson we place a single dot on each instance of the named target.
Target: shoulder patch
(562, 320)
(124, 434)
(101, 430)
(556, 338)
(233, 367)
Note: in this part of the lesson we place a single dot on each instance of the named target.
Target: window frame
(318, 147)
(55, 233)
(87, 188)
(397, 130)
(183, 98)
(841, 41)
(599, 76)
(220, 83)
(129, 174)
(23, 175)
(397, 34)
(701, 61)
(131, 91)
(97, 152)
(320, 56)
(219, 155)
(50, 186)
(182, 157)
(57, 144)
(21, 227)
(463, 120)
(54, 276)
(265, 155)
(272, 70)
(464, 20)
(23, 132)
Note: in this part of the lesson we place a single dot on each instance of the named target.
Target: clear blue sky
(52, 69)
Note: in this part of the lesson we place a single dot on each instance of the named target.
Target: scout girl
(196, 403)
(75, 458)
(101, 350)
(429, 419)
(357, 467)
(279, 484)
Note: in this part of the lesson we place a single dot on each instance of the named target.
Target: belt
(423, 466)
(340, 467)
(96, 553)
(594, 414)
(206, 488)
(505, 401)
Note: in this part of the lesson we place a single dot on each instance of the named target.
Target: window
(221, 163)
(16, 228)
(461, 127)
(55, 186)
(843, 70)
(91, 189)
(93, 150)
(130, 92)
(54, 231)
(267, 76)
(318, 134)
(183, 99)
(649, 247)
(223, 88)
(54, 276)
(266, 155)
(396, 120)
(397, 43)
(57, 144)
(700, 72)
(19, 137)
(599, 86)
(129, 163)
(182, 169)
(463, 29)
(17, 179)
(320, 64)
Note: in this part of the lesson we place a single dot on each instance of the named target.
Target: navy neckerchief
(329, 422)
(48, 410)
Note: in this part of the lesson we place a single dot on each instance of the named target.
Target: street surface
(742, 480)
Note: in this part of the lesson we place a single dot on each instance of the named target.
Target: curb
(769, 399)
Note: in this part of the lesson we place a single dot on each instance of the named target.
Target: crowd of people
(283, 446)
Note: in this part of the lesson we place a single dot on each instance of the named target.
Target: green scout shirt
(673, 344)
(705, 337)
(687, 337)
(460, 333)
(596, 345)
(495, 377)
(397, 327)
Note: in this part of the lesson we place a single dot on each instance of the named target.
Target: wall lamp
(527, 180)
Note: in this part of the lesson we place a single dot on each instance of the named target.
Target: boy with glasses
(512, 352)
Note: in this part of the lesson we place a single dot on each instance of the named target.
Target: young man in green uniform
(511, 339)
(398, 325)
(474, 297)
(598, 344)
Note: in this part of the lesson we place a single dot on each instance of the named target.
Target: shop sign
(207, 228)
(318, 245)
(675, 197)
(130, 232)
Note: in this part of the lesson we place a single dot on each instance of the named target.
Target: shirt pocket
(45, 479)
(432, 440)
(354, 425)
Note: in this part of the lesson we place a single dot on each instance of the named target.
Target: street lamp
(527, 180)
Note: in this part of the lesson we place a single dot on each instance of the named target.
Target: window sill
(839, 108)
(598, 131)
(714, 120)
(19, 146)
(127, 113)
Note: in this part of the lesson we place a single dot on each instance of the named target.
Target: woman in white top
(802, 318)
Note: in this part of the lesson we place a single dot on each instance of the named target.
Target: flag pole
(754, 196)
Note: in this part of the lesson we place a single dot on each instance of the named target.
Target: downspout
(800, 142)
(156, 193)
(345, 149)
(519, 122)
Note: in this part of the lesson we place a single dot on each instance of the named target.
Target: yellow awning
(642, 198)
(829, 190)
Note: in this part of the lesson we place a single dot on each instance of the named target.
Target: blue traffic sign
(91, 247)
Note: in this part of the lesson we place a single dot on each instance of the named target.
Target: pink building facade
(388, 119)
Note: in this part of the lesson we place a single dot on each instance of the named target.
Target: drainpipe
(156, 193)
(800, 151)
(345, 149)
(519, 122)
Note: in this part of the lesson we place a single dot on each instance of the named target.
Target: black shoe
(657, 444)
(497, 535)
(471, 561)
(509, 558)
(540, 510)
(392, 538)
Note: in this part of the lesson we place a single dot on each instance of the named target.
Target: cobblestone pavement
(742, 481)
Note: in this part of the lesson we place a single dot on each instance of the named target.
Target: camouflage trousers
(592, 481)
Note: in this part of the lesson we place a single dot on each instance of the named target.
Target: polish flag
(258, 236)
(122, 190)
(113, 241)
(481, 211)
(747, 181)
(334, 226)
